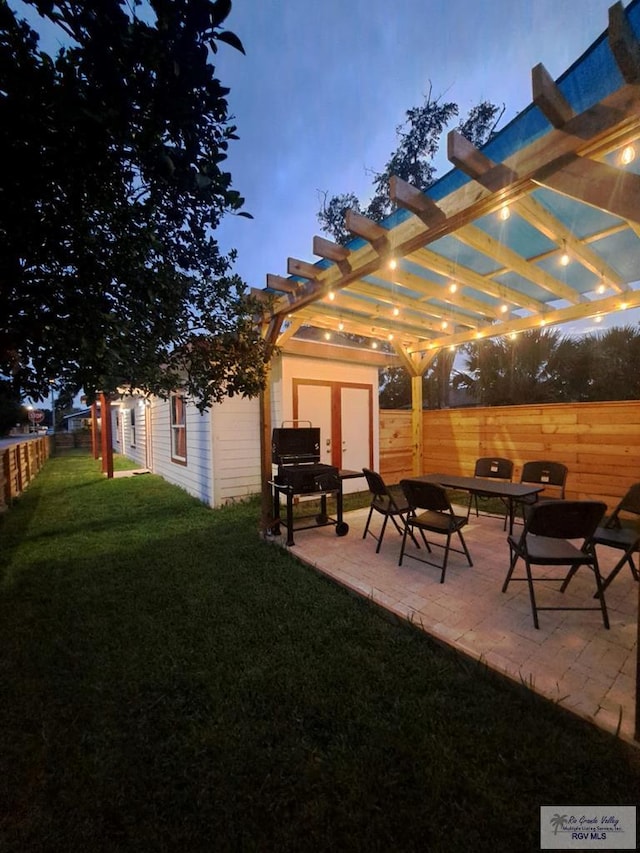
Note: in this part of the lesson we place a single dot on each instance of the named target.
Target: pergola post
(107, 443)
(416, 425)
(266, 511)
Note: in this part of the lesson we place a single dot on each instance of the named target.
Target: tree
(616, 365)
(511, 371)
(12, 412)
(419, 139)
(112, 187)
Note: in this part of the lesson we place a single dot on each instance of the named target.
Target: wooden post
(266, 513)
(107, 444)
(95, 444)
(416, 425)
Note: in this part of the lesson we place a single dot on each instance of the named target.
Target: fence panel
(599, 442)
(21, 463)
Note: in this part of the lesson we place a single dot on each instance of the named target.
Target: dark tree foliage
(112, 186)
(541, 366)
(12, 411)
(419, 139)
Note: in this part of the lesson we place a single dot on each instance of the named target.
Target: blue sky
(323, 86)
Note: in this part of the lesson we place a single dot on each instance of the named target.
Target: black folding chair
(389, 502)
(551, 475)
(545, 541)
(493, 468)
(431, 511)
(614, 534)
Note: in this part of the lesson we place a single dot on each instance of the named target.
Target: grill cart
(295, 450)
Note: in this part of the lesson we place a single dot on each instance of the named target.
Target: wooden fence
(21, 463)
(599, 442)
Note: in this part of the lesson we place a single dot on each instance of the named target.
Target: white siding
(137, 450)
(236, 449)
(122, 433)
(196, 476)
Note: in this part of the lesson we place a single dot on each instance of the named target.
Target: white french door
(344, 413)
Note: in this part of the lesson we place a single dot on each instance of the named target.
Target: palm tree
(616, 367)
(557, 821)
(511, 371)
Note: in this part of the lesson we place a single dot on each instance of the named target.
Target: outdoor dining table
(510, 493)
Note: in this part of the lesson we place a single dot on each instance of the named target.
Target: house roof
(539, 227)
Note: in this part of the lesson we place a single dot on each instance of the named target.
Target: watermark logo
(587, 827)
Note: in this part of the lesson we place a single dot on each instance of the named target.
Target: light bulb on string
(628, 155)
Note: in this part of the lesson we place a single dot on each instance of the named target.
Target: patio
(572, 660)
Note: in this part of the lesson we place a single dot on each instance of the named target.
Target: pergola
(538, 228)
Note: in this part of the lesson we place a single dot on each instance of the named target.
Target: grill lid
(295, 445)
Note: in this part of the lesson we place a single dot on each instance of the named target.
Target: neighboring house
(77, 421)
(216, 456)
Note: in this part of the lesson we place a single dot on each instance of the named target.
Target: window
(178, 428)
(133, 427)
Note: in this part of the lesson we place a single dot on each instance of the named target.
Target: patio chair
(548, 527)
(389, 502)
(431, 511)
(494, 468)
(551, 475)
(625, 537)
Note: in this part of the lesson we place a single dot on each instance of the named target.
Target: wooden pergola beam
(369, 230)
(465, 276)
(603, 186)
(303, 269)
(411, 198)
(458, 302)
(479, 240)
(294, 324)
(332, 252)
(474, 163)
(623, 44)
(430, 316)
(283, 285)
(470, 160)
(548, 97)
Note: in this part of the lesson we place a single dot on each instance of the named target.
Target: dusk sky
(323, 86)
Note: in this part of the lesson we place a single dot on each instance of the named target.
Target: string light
(341, 326)
(444, 325)
(505, 213)
(564, 257)
(331, 295)
(393, 264)
(389, 337)
(628, 155)
(597, 318)
(504, 309)
(396, 311)
(453, 287)
(327, 336)
(374, 345)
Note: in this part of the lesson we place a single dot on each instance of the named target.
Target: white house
(216, 456)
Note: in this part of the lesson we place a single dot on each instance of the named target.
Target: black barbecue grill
(295, 451)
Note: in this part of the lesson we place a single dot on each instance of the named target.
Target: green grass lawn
(171, 682)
